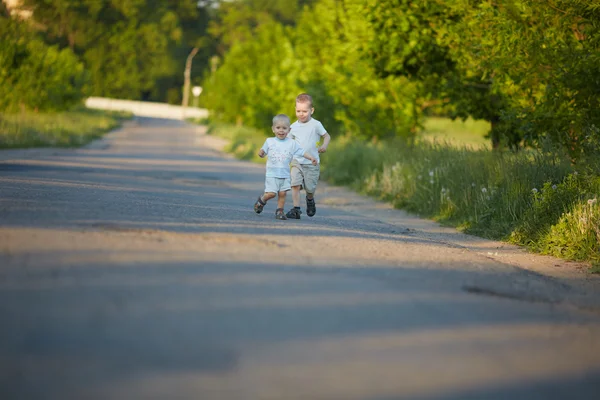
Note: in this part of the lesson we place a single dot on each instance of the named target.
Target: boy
(281, 150)
(307, 132)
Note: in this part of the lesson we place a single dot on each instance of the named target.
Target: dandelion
(430, 173)
(554, 187)
(443, 190)
(483, 190)
(534, 190)
(473, 184)
(431, 181)
(575, 173)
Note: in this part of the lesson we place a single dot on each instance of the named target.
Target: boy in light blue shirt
(280, 151)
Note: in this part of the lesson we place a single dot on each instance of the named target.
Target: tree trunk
(494, 134)
(186, 77)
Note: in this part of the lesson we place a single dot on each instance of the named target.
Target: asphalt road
(137, 269)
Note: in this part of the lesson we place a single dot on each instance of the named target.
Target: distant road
(137, 269)
(146, 108)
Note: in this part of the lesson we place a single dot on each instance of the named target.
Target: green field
(61, 129)
(456, 132)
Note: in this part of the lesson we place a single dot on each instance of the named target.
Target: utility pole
(186, 79)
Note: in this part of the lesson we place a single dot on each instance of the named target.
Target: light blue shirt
(280, 154)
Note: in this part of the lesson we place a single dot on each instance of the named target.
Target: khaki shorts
(305, 175)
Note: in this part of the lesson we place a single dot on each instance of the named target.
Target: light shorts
(275, 185)
(305, 175)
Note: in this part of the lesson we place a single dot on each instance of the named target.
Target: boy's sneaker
(279, 214)
(294, 213)
(259, 205)
(311, 207)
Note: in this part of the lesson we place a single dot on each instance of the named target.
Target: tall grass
(532, 198)
(244, 142)
(61, 129)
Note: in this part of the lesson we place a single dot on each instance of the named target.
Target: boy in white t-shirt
(281, 150)
(308, 133)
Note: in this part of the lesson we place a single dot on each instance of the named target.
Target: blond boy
(308, 133)
(280, 151)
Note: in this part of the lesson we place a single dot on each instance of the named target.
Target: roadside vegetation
(72, 128)
(393, 82)
(534, 198)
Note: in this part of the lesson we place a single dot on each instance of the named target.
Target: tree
(34, 75)
(126, 45)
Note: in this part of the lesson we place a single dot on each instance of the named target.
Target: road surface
(136, 268)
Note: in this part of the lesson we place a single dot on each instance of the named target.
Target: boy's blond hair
(304, 98)
(281, 118)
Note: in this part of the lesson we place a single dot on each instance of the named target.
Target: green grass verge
(244, 143)
(534, 199)
(470, 133)
(62, 129)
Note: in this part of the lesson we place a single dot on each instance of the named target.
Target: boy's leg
(296, 195)
(262, 201)
(295, 212)
(297, 181)
(311, 178)
(281, 199)
(280, 203)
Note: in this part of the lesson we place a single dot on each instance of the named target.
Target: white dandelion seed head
(554, 187)
(483, 190)
(534, 190)
(430, 173)
(431, 181)
(473, 184)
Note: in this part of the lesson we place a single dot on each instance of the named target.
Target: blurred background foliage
(377, 70)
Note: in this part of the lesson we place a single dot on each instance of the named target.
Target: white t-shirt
(280, 153)
(307, 135)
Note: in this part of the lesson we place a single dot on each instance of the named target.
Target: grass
(470, 132)
(532, 198)
(71, 128)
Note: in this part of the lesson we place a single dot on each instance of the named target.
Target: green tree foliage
(527, 66)
(319, 53)
(330, 42)
(255, 80)
(236, 21)
(34, 75)
(127, 45)
(544, 55)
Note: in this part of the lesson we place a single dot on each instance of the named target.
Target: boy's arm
(263, 150)
(326, 139)
(309, 157)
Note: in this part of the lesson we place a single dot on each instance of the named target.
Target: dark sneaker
(279, 214)
(311, 207)
(294, 213)
(259, 205)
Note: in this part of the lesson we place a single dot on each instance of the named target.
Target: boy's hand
(261, 153)
(314, 161)
(322, 149)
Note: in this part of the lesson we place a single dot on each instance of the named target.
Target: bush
(36, 76)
